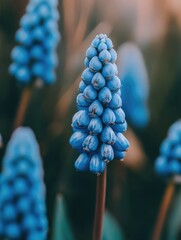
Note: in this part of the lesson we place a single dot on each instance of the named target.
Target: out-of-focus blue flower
(169, 161)
(135, 84)
(35, 56)
(22, 191)
(100, 121)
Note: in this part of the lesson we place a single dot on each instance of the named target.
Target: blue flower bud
(37, 52)
(77, 140)
(161, 166)
(95, 65)
(106, 152)
(101, 36)
(121, 143)
(115, 68)
(108, 136)
(98, 81)
(108, 70)
(23, 75)
(105, 95)
(95, 109)
(23, 37)
(28, 21)
(104, 56)
(51, 60)
(81, 119)
(38, 69)
(90, 144)
(12, 231)
(38, 34)
(20, 186)
(109, 43)
(13, 68)
(119, 154)
(82, 163)
(86, 62)
(114, 84)
(113, 55)
(97, 165)
(102, 46)
(165, 147)
(115, 102)
(50, 77)
(120, 115)
(122, 127)
(82, 86)
(9, 212)
(87, 76)
(81, 101)
(20, 55)
(108, 117)
(176, 152)
(95, 126)
(91, 52)
(44, 11)
(95, 43)
(90, 93)
(175, 166)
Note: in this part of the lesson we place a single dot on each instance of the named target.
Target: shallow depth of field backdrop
(134, 191)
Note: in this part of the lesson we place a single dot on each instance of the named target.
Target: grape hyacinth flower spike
(135, 89)
(22, 191)
(35, 56)
(99, 124)
(168, 164)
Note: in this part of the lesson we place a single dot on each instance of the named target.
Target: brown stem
(163, 210)
(26, 94)
(100, 206)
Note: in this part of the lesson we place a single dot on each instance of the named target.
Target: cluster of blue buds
(169, 161)
(35, 57)
(135, 89)
(100, 121)
(22, 191)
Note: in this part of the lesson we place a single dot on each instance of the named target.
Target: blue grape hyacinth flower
(135, 89)
(99, 124)
(35, 56)
(169, 161)
(22, 191)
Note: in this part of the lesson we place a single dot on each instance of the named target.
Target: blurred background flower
(22, 198)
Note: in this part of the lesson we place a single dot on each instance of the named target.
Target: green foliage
(175, 217)
(111, 229)
(62, 227)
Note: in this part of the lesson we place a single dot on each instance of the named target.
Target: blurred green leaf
(61, 226)
(175, 217)
(111, 228)
(62, 229)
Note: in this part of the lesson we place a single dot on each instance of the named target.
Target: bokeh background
(134, 191)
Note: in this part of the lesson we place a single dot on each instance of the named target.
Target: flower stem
(100, 206)
(163, 210)
(26, 94)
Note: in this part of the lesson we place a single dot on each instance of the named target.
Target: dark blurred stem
(163, 210)
(100, 205)
(20, 114)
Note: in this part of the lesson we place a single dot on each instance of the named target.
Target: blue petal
(97, 165)
(106, 152)
(108, 136)
(82, 162)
